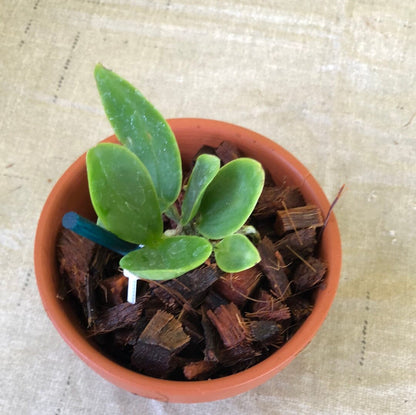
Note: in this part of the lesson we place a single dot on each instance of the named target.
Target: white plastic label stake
(132, 286)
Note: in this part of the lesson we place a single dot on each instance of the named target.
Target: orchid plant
(134, 184)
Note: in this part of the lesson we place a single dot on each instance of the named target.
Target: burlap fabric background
(333, 81)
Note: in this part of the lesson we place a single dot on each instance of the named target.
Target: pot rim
(205, 390)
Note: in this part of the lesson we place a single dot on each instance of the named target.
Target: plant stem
(173, 214)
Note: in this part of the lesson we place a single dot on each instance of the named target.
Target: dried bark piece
(238, 286)
(237, 352)
(119, 316)
(297, 244)
(268, 307)
(276, 275)
(229, 323)
(227, 152)
(214, 300)
(281, 264)
(266, 332)
(308, 216)
(152, 360)
(188, 288)
(308, 274)
(275, 198)
(63, 288)
(155, 350)
(114, 289)
(300, 307)
(90, 301)
(199, 370)
(165, 331)
(74, 255)
(129, 335)
(153, 305)
(265, 227)
(191, 327)
(239, 357)
(104, 264)
(211, 351)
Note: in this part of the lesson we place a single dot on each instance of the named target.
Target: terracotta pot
(71, 193)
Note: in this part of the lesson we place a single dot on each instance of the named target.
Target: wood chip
(268, 307)
(275, 274)
(199, 370)
(228, 321)
(301, 243)
(227, 152)
(74, 256)
(165, 331)
(189, 288)
(274, 198)
(309, 273)
(293, 219)
(238, 286)
(119, 316)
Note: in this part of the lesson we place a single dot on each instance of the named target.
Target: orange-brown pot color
(71, 193)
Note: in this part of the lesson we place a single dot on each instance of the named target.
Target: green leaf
(230, 198)
(205, 169)
(236, 253)
(169, 259)
(142, 129)
(122, 194)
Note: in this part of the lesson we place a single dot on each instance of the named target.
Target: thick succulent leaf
(142, 129)
(236, 253)
(122, 194)
(205, 169)
(230, 198)
(170, 258)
